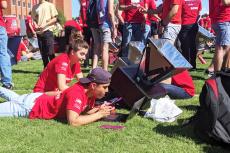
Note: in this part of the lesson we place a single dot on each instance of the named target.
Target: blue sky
(76, 7)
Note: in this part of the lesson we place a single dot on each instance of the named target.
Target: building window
(19, 3)
(29, 5)
(24, 4)
(13, 2)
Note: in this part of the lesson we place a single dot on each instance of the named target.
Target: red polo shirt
(55, 107)
(218, 11)
(167, 5)
(184, 80)
(2, 23)
(132, 15)
(60, 65)
(190, 11)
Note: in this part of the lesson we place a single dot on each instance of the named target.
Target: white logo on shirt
(78, 101)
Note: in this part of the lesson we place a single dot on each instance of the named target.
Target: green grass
(20, 135)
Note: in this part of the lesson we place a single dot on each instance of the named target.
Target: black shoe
(10, 87)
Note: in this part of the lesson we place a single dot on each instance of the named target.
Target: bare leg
(218, 58)
(105, 56)
(96, 54)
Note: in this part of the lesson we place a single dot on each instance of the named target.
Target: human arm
(226, 2)
(172, 13)
(79, 75)
(119, 15)
(74, 119)
(111, 15)
(61, 82)
(3, 4)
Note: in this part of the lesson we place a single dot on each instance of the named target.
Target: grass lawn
(20, 135)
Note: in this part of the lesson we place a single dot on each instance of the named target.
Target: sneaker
(10, 87)
(210, 74)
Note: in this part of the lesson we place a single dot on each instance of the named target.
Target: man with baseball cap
(75, 104)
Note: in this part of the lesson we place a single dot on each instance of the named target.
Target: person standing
(171, 19)
(189, 29)
(134, 26)
(103, 33)
(45, 16)
(220, 18)
(5, 65)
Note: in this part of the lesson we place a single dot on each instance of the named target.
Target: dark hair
(77, 45)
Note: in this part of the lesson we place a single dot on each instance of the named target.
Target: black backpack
(92, 15)
(212, 120)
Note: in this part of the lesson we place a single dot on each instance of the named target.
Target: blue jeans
(16, 105)
(5, 64)
(131, 32)
(175, 92)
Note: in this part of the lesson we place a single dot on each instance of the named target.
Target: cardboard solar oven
(160, 61)
(204, 35)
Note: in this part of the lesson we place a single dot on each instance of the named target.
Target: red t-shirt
(29, 20)
(151, 5)
(218, 12)
(190, 11)
(55, 107)
(22, 47)
(132, 15)
(2, 23)
(73, 23)
(59, 65)
(167, 4)
(184, 80)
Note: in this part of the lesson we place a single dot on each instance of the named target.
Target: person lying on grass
(75, 104)
(62, 69)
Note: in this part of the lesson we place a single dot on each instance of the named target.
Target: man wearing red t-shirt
(220, 18)
(189, 29)
(5, 65)
(171, 19)
(134, 26)
(76, 104)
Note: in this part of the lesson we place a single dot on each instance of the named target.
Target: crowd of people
(90, 36)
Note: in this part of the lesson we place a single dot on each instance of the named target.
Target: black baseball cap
(97, 75)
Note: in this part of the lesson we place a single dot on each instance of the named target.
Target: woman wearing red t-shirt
(62, 69)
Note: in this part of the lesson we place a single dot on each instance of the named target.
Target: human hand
(105, 110)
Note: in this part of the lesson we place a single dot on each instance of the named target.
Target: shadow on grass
(190, 107)
(174, 131)
(198, 78)
(25, 72)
